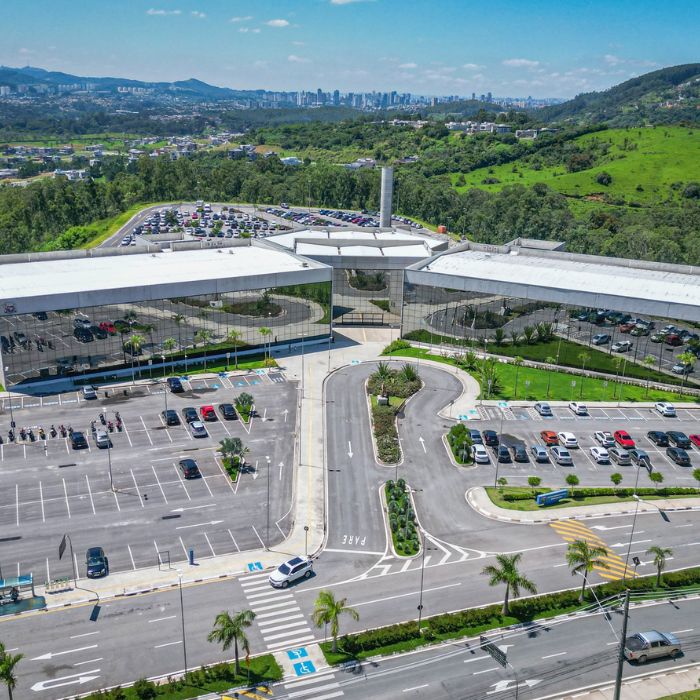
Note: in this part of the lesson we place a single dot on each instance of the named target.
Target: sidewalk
(479, 500)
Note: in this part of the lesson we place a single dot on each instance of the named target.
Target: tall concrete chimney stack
(386, 197)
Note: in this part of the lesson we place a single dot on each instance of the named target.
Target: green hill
(647, 166)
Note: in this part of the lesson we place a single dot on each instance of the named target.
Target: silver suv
(291, 571)
(643, 646)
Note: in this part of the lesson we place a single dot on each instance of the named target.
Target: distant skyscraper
(489, 97)
(473, 95)
(336, 97)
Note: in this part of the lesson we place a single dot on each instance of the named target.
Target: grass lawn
(394, 401)
(104, 228)
(496, 496)
(690, 695)
(546, 384)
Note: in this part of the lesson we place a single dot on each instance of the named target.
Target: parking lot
(152, 514)
(522, 425)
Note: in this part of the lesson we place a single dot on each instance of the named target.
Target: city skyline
(357, 46)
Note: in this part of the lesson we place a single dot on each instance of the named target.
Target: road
(357, 565)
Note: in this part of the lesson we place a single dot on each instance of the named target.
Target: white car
(604, 438)
(622, 346)
(580, 409)
(480, 455)
(665, 409)
(567, 439)
(600, 455)
(543, 408)
(89, 392)
(562, 456)
(291, 571)
(198, 429)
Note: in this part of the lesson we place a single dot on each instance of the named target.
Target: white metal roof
(296, 240)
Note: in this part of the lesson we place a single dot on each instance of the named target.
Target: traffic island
(397, 500)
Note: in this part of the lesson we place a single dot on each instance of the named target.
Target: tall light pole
(302, 365)
(109, 463)
(12, 417)
(306, 541)
(165, 388)
(498, 451)
(182, 619)
(267, 536)
(422, 575)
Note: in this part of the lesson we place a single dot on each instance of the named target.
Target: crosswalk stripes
(313, 687)
(572, 530)
(277, 614)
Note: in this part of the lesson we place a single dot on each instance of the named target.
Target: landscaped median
(474, 621)
(402, 518)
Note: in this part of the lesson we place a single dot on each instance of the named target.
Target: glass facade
(367, 296)
(185, 329)
(439, 315)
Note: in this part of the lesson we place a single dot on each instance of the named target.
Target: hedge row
(579, 494)
(467, 622)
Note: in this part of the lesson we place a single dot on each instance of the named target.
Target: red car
(208, 413)
(625, 327)
(674, 340)
(695, 439)
(108, 326)
(623, 439)
(549, 438)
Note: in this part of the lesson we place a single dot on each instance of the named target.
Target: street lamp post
(182, 619)
(267, 536)
(302, 365)
(165, 387)
(306, 541)
(12, 417)
(500, 438)
(422, 576)
(109, 464)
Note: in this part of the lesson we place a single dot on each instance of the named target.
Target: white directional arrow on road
(422, 444)
(50, 654)
(213, 522)
(626, 544)
(286, 411)
(349, 449)
(506, 685)
(181, 510)
(79, 678)
(605, 527)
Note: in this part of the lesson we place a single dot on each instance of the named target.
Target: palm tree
(169, 344)
(583, 357)
(517, 361)
(687, 359)
(649, 361)
(135, 343)
(583, 557)
(618, 364)
(234, 337)
(328, 610)
(203, 335)
(7, 668)
(507, 572)
(178, 320)
(265, 332)
(230, 629)
(551, 361)
(660, 556)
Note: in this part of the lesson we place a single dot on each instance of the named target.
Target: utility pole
(621, 650)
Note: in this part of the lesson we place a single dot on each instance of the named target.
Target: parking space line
(213, 553)
(184, 488)
(234, 540)
(65, 491)
(184, 549)
(17, 502)
(131, 556)
(41, 499)
(126, 432)
(136, 486)
(257, 535)
(117, 500)
(159, 484)
(148, 435)
(227, 477)
(204, 479)
(223, 425)
(92, 503)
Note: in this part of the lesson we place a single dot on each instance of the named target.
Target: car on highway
(170, 417)
(695, 439)
(78, 441)
(622, 346)
(96, 563)
(189, 413)
(580, 409)
(175, 385)
(623, 438)
(480, 455)
(208, 413)
(519, 453)
(292, 570)
(189, 468)
(600, 339)
(502, 454)
(543, 408)
(643, 646)
(665, 409)
(228, 411)
(640, 457)
(198, 429)
(490, 438)
(89, 392)
(678, 439)
(604, 438)
(539, 453)
(678, 455)
(567, 439)
(600, 455)
(102, 439)
(549, 437)
(620, 456)
(561, 456)
(658, 437)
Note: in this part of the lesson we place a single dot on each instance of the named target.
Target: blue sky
(543, 48)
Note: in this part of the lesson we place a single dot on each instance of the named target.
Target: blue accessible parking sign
(298, 653)
(304, 668)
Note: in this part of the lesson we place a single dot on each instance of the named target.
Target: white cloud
(235, 20)
(198, 14)
(26, 52)
(347, 2)
(612, 60)
(292, 58)
(277, 23)
(162, 13)
(408, 65)
(472, 66)
(299, 43)
(520, 63)
(245, 30)
(261, 64)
